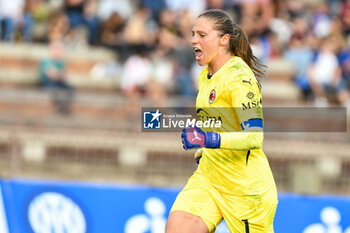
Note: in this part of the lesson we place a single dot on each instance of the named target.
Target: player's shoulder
(238, 72)
(239, 69)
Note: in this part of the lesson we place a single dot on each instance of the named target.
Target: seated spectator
(184, 59)
(321, 21)
(112, 37)
(135, 76)
(106, 8)
(184, 26)
(344, 60)
(52, 72)
(325, 75)
(82, 12)
(35, 19)
(28, 18)
(194, 7)
(59, 28)
(301, 56)
(18, 18)
(265, 46)
(295, 9)
(156, 6)
(345, 17)
(140, 32)
(260, 11)
(11, 14)
(162, 76)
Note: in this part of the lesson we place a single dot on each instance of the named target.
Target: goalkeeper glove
(196, 138)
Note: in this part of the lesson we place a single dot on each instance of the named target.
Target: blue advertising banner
(64, 207)
(307, 214)
(3, 217)
(78, 208)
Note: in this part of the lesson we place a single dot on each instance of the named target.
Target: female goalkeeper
(233, 180)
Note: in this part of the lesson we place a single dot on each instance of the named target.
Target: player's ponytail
(239, 44)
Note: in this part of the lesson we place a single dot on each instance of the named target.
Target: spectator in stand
(300, 26)
(295, 8)
(106, 8)
(135, 76)
(321, 22)
(155, 6)
(325, 75)
(265, 46)
(301, 56)
(140, 31)
(217, 4)
(344, 58)
(36, 18)
(344, 61)
(11, 15)
(113, 16)
(52, 72)
(168, 19)
(59, 29)
(260, 11)
(112, 37)
(184, 26)
(136, 73)
(162, 76)
(345, 17)
(172, 36)
(249, 25)
(282, 27)
(82, 12)
(195, 7)
(185, 59)
(28, 19)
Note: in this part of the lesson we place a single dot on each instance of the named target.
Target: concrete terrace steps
(33, 107)
(101, 109)
(279, 84)
(106, 110)
(37, 51)
(19, 65)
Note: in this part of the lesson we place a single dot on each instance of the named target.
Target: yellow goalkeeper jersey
(232, 96)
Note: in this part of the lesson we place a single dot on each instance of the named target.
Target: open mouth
(198, 53)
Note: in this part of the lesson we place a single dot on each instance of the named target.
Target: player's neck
(217, 63)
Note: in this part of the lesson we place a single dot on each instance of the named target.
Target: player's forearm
(241, 140)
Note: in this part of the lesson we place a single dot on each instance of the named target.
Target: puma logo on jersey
(249, 82)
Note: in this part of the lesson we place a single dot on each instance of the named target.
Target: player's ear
(224, 40)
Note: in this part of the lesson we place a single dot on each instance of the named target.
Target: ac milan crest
(212, 96)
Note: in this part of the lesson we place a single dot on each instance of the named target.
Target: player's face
(205, 40)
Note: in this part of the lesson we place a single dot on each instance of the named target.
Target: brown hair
(239, 44)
